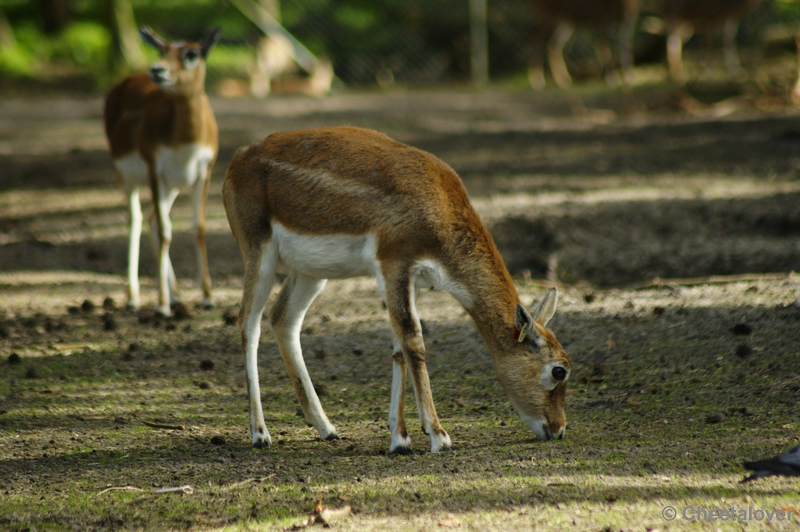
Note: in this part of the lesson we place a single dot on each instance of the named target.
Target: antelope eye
(559, 373)
(190, 56)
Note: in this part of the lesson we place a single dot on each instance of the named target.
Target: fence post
(479, 42)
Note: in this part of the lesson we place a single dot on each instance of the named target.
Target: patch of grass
(637, 440)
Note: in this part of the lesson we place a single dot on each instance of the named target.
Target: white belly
(177, 168)
(344, 256)
(326, 256)
(182, 166)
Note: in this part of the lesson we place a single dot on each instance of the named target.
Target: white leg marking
(401, 443)
(286, 323)
(134, 238)
(166, 275)
(260, 282)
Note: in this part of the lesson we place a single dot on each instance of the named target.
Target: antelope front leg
(259, 276)
(162, 231)
(199, 195)
(729, 45)
(400, 297)
(555, 54)
(134, 243)
(401, 443)
(286, 318)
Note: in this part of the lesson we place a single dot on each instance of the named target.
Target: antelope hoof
(401, 449)
(441, 442)
(332, 436)
(261, 443)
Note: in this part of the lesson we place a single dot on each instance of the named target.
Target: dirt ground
(622, 198)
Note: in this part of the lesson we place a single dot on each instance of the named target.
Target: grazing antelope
(560, 18)
(684, 17)
(162, 134)
(342, 202)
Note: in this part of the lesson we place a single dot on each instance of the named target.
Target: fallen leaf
(450, 522)
(327, 516)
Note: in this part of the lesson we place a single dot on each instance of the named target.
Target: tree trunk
(7, 39)
(55, 14)
(124, 35)
(272, 7)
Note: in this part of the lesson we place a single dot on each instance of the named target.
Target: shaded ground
(674, 385)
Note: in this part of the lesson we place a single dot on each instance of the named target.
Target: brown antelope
(162, 134)
(560, 18)
(684, 17)
(343, 202)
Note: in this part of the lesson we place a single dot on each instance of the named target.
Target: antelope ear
(211, 40)
(149, 37)
(525, 328)
(546, 308)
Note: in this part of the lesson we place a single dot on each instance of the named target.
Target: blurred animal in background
(682, 18)
(795, 95)
(787, 464)
(560, 18)
(163, 135)
(275, 69)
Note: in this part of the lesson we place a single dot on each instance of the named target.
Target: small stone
(14, 358)
(109, 304)
(87, 306)
(206, 365)
(744, 350)
(204, 386)
(109, 323)
(31, 373)
(217, 440)
(180, 312)
(716, 417)
(230, 317)
(589, 297)
(741, 329)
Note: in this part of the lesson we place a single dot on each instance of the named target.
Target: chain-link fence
(413, 41)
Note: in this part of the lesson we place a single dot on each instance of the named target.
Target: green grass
(638, 438)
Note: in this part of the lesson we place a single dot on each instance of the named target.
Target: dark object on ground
(787, 464)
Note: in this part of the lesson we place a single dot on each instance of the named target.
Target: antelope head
(182, 68)
(535, 371)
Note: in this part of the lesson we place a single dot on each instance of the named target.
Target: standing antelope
(684, 17)
(162, 134)
(342, 202)
(560, 18)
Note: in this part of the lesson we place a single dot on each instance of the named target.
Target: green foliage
(17, 61)
(85, 43)
(227, 60)
(355, 17)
